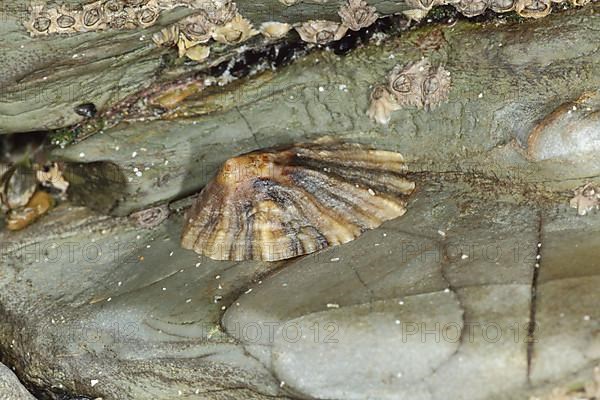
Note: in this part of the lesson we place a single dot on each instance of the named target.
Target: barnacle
(357, 14)
(502, 6)
(533, 8)
(421, 4)
(197, 28)
(92, 17)
(406, 82)
(382, 105)
(198, 53)
(223, 13)
(278, 203)
(418, 84)
(585, 199)
(147, 16)
(40, 20)
(321, 31)
(237, 30)
(151, 217)
(39, 204)
(66, 20)
(184, 44)
(274, 30)
(167, 36)
(436, 87)
(471, 8)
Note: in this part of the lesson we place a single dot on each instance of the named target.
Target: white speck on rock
(81, 155)
(464, 256)
(134, 154)
(333, 305)
(335, 259)
(248, 291)
(94, 382)
(371, 192)
(480, 95)
(442, 233)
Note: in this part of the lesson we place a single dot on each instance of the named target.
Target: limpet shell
(279, 203)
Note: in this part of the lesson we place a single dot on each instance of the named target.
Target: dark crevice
(531, 327)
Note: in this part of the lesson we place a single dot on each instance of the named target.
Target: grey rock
(10, 387)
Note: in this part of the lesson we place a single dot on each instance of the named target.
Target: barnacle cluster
(471, 8)
(222, 24)
(354, 14)
(417, 84)
(114, 14)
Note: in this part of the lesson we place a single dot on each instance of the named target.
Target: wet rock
(328, 94)
(570, 133)
(10, 387)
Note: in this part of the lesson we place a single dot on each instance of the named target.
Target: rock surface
(10, 387)
(485, 289)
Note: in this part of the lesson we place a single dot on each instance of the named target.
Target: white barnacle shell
(585, 199)
(198, 53)
(40, 20)
(471, 8)
(220, 14)
(382, 105)
(274, 30)
(533, 8)
(421, 4)
(167, 36)
(415, 15)
(238, 30)
(66, 20)
(321, 31)
(357, 14)
(148, 14)
(502, 6)
(92, 17)
(406, 82)
(197, 28)
(436, 87)
(184, 44)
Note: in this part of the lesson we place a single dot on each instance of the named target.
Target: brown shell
(39, 204)
(357, 14)
(17, 185)
(533, 8)
(279, 203)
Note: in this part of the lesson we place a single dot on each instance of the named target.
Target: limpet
(278, 203)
